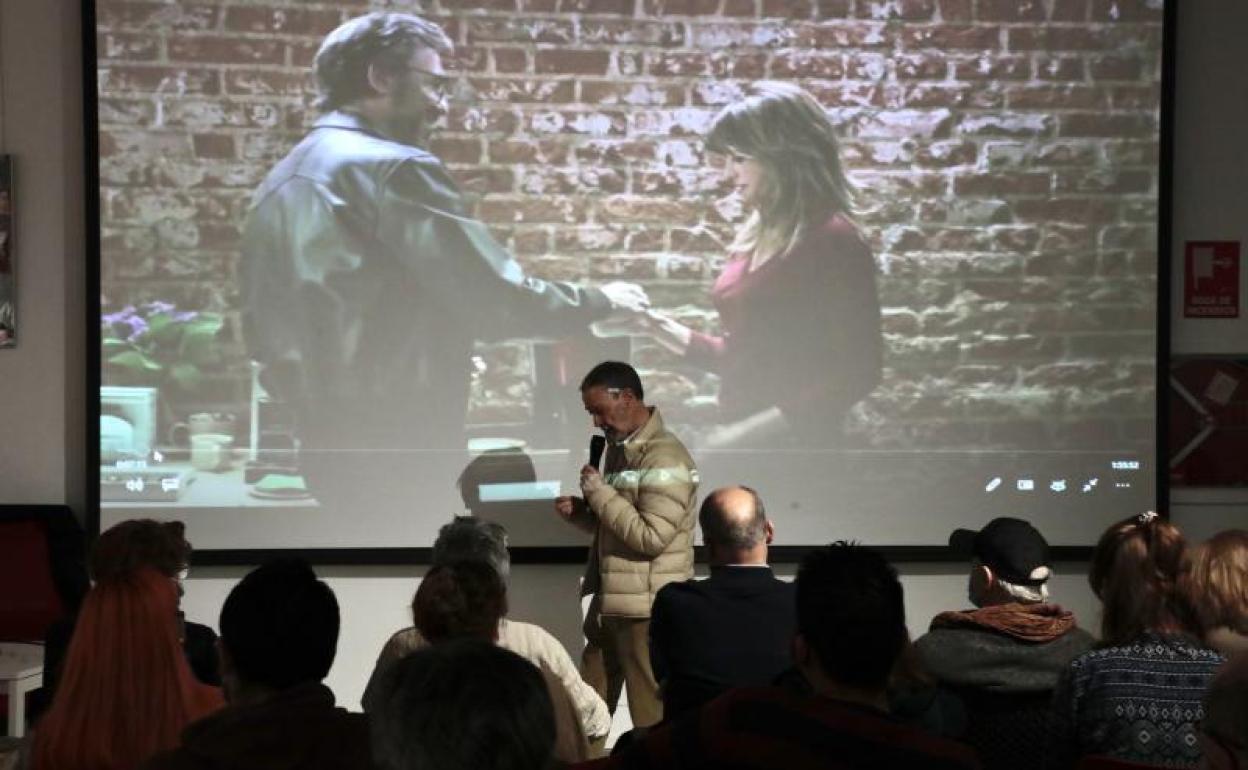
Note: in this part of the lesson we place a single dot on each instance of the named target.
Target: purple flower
(183, 317)
(156, 306)
(137, 325)
(120, 316)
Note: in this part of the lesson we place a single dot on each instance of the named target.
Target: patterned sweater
(1139, 702)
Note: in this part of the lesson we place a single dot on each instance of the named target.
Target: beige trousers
(617, 655)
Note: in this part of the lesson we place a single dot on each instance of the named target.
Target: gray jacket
(968, 658)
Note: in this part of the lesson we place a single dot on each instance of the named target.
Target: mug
(211, 451)
(200, 423)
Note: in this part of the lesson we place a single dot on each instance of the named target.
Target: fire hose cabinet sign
(1211, 279)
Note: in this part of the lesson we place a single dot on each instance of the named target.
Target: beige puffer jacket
(645, 520)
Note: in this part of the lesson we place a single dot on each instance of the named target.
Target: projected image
(872, 258)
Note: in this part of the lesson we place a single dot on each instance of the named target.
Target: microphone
(597, 444)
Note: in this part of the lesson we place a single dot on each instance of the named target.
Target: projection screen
(975, 337)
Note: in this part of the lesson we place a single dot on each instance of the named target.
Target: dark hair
(280, 625)
(468, 538)
(130, 545)
(851, 614)
(719, 527)
(614, 374)
(463, 598)
(384, 39)
(1136, 567)
(463, 705)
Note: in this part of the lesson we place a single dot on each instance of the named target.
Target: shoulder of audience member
(678, 590)
(529, 637)
(400, 644)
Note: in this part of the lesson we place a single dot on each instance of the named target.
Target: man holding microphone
(640, 510)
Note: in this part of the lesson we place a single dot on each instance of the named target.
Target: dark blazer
(732, 629)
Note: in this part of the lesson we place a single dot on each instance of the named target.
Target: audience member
(126, 690)
(732, 629)
(850, 630)
(473, 539)
(467, 599)
(915, 697)
(464, 704)
(1224, 730)
(1217, 585)
(279, 634)
(123, 548)
(1137, 698)
(1004, 657)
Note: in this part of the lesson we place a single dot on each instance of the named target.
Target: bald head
(735, 527)
(1226, 716)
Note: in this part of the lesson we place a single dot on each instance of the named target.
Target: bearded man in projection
(366, 282)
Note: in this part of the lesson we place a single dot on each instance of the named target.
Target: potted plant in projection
(152, 355)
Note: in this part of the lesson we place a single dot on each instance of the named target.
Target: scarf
(1034, 623)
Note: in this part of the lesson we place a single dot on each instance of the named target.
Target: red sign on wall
(1211, 279)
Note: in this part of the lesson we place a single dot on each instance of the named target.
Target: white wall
(1210, 163)
(42, 408)
(1210, 203)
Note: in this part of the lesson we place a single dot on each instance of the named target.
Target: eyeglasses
(440, 83)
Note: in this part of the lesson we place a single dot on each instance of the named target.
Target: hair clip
(1146, 518)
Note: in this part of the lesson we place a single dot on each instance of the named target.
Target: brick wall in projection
(1006, 149)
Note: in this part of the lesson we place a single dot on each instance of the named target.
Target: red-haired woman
(1138, 697)
(126, 690)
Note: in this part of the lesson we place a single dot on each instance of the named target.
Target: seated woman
(467, 599)
(123, 548)
(800, 338)
(1138, 697)
(1217, 584)
(126, 690)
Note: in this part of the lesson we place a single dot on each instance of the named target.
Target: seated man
(1224, 730)
(1004, 658)
(467, 599)
(468, 538)
(732, 629)
(463, 705)
(851, 628)
(279, 633)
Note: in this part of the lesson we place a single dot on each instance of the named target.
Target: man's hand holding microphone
(569, 507)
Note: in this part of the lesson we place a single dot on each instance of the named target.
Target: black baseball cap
(1011, 548)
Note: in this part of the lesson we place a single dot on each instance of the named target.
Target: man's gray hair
(719, 528)
(385, 39)
(1025, 594)
(468, 538)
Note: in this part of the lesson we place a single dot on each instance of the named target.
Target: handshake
(633, 315)
(626, 298)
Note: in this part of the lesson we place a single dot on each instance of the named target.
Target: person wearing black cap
(1004, 657)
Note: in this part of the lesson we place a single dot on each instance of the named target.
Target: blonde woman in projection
(799, 339)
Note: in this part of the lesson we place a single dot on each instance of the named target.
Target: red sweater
(801, 332)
